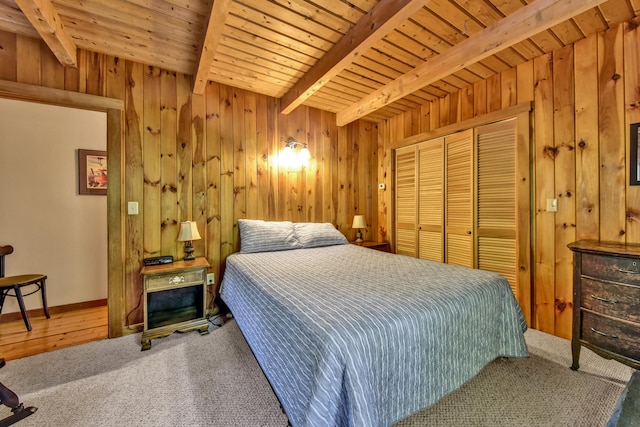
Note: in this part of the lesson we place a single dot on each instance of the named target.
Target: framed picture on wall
(634, 154)
(92, 172)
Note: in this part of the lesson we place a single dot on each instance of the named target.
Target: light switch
(132, 208)
(552, 205)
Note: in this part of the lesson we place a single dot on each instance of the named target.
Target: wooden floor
(60, 331)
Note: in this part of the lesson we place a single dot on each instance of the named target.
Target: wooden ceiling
(368, 59)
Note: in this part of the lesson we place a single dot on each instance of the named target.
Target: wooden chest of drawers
(606, 301)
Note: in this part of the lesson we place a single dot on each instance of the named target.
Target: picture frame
(634, 154)
(92, 172)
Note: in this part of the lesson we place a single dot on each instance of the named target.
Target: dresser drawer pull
(624, 270)
(595, 331)
(176, 280)
(634, 271)
(608, 300)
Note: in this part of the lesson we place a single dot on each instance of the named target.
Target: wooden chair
(16, 283)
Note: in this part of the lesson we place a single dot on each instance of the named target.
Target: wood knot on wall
(562, 305)
(148, 181)
(167, 223)
(169, 187)
(632, 215)
(550, 152)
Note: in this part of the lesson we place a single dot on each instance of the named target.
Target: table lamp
(188, 233)
(358, 223)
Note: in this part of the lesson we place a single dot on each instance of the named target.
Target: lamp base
(359, 237)
(188, 252)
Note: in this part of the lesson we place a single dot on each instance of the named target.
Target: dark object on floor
(10, 399)
(16, 283)
(627, 412)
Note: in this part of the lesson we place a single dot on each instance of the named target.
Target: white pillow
(313, 234)
(265, 236)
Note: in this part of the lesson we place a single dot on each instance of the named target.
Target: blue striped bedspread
(349, 336)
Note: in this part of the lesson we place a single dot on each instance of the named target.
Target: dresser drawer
(615, 269)
(615, 336)
(174, 280)
(612, 299)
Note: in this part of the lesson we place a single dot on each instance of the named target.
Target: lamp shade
(358, 222)
(304, 155)
(188, 231)
(287, 157)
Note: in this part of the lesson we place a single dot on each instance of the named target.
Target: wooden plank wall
(585, 96)
(210, 158)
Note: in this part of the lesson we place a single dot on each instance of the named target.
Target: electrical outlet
(211, 279)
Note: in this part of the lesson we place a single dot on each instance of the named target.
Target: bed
(349, 336)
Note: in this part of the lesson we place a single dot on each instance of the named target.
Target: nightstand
(379, 246)
(175, 299)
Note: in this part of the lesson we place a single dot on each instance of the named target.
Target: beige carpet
(213, 380)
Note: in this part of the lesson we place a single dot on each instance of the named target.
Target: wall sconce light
(291, 159)
(188, 232)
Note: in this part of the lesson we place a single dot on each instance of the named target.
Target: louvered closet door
(497, 199)
(431, 200)
(406, 201)
(459, 199)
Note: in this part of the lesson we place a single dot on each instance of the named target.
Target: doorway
(114, 109)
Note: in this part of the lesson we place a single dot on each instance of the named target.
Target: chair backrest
(4, 250)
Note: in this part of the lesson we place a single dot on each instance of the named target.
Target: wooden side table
(379, 246)
(175, 299)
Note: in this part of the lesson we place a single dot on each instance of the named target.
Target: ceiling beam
(385, 16)
(512, 29)
(218, 13)
(46, 21)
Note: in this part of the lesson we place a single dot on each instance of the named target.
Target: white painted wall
(54, 230)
